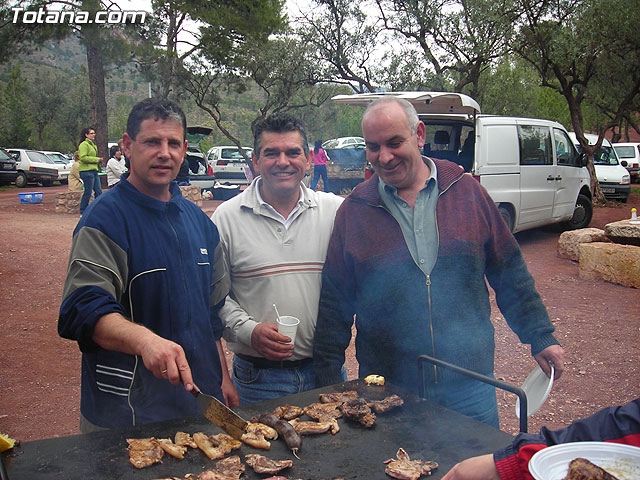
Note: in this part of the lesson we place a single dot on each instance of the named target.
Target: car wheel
(21, 180)
(581, 214)
(507, 216)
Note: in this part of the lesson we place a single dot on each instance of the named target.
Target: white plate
(537, 387)
(552, 463)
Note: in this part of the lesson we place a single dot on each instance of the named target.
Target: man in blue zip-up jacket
(145, 281)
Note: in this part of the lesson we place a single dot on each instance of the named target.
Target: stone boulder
(612, 262)
(69, 202)
(623, 232)
(569, 242)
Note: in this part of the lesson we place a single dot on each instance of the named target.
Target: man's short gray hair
(409, 110)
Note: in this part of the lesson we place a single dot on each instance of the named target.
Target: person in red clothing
(320, 161)
(613, 424)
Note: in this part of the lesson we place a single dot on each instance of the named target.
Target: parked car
(33, 167)
(529, 166)
(229, 166)
(629, 155)
(8, 171)
(62, 164)
(614, 179)
(199, 172)
(343, 142)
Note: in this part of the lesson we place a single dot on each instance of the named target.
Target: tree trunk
(98, 100)
(92, 39)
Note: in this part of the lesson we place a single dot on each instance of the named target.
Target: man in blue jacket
(144, 285)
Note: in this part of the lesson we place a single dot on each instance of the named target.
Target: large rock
(612, 262)
(623, 232)
(569, 242)
(69, 202)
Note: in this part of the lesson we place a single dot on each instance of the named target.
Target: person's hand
(166, 360)
(266, 340)
(475, 468)
(231, 397)
(553, 355)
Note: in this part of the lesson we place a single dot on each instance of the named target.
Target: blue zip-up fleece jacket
(402, 313)
(158, 264)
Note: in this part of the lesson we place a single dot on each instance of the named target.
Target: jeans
(257, 384)
(472, 398)
(320, 171)
(91, 182)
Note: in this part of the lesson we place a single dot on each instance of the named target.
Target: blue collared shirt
(418, 224)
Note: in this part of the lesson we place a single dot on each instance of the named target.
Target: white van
(614, 179)
(530, 167)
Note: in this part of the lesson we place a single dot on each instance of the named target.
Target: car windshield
(603, 156)
(57, 158)
(625, 152)
(39, 157)
(234, 154)
(5, 156)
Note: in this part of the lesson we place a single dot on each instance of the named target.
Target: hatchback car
(343, 142)
(8, 171)
(629, 154)
(229, 166)
(62, 163)
(33, 167)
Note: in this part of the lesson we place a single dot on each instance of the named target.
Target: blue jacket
(158, 264)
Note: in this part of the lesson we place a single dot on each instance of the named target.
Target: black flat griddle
(424, 429)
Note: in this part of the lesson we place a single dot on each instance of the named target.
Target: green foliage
(16, 126)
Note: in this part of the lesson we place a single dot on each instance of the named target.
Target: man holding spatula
(144, 286)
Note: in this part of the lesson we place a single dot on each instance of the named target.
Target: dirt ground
(598, 323)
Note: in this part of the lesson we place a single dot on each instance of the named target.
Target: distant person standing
(115, 166)
(320, 161)
(88, 167)
(75, 183)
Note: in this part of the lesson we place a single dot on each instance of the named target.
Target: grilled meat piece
(382, 406)
(583, 469)
(171, 448)
(265, 430)
(257, 434)
(263, 464)
(184, 440)
(216, 446)
(288, 412)
(374, 380)
(323, 411)
(256, 440)
(311, 428)
(358, 410)
(403, 468)
(338, 397)
(144, 452)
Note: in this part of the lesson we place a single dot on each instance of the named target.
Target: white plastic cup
(288, 326)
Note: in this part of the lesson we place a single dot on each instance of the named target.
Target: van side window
(565, 152)
(535, 145)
